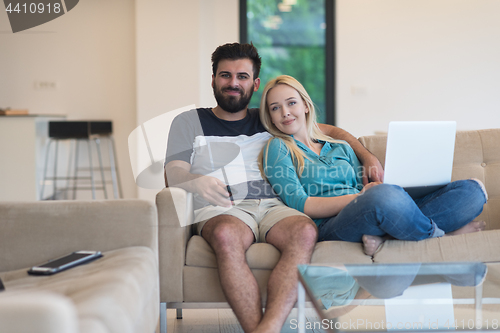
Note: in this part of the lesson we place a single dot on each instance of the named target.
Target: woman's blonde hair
(313, 131)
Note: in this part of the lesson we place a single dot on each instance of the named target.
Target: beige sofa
(188, 268)
(116, 293)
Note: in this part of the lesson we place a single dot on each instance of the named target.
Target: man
(213, 154)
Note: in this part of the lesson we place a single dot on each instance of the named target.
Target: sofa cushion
(478, 246)
(265, 256)
(40, 312)
(331, 252)
(202, 284)
(259, 256)
(118, 292)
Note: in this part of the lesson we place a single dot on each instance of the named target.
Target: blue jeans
(389, 210)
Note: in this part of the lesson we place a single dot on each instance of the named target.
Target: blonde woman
(321, 177)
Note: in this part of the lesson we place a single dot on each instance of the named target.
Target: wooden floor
(224, 321)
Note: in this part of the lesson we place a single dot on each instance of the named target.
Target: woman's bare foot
(473, 226)
(371, 244)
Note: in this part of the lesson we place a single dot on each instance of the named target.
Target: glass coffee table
(401, 297)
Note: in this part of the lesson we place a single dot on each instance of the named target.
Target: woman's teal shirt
(336, 171)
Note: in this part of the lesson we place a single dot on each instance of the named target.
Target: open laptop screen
(419, 155)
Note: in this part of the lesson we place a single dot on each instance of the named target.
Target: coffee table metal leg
(301, 302)
(479, 305)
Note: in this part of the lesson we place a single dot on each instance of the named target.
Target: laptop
(419, 155)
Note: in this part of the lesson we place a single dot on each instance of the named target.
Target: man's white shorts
(259, 214)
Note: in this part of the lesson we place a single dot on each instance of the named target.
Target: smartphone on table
(62, 263)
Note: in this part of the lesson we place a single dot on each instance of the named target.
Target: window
(294, 37)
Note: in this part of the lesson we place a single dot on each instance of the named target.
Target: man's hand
(212, 190)
(372, 170)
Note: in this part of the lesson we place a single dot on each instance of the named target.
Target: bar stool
(77, 132)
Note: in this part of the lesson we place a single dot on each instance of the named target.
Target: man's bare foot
(473, 226)
(371, 244)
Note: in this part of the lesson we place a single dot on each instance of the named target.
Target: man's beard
(232, 104)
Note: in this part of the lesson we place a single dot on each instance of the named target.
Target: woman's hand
(325, 207)
(369, 186)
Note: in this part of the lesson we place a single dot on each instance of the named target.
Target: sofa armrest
(34, 232)
(175, 216)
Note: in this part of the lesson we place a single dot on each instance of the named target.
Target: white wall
(417, 60)
(175, 40)
(90, 53)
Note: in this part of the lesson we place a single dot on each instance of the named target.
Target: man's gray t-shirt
(227, 150)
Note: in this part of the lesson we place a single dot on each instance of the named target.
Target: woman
(321, 177)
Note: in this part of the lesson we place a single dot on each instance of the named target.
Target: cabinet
(22, 150)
